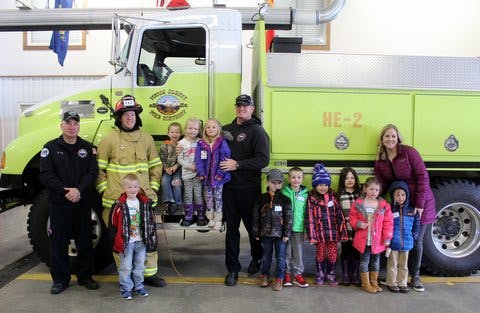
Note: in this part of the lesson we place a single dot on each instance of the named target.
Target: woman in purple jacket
(210, 151)
(396, 161)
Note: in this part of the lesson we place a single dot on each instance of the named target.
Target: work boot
(155, 281)
(345, 281)
(320, 278)
(201, 218)
(188, 218)
(277, 284)
(331, 277)
(89, 283)
(263, 281)
(231, 279)
(374, 281)
(364, 277)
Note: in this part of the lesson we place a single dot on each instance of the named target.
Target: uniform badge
(82, 153)
(44, 153)
(241, 137)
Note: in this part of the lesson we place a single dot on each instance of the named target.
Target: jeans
(269, 243)
(415, 258)
(369, 262)
(171, 190)
(130, 271)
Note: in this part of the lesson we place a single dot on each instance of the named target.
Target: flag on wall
(59, 41)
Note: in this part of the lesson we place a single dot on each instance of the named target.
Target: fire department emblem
(241, 137)
(44, 153)
(82, 153)
(168, 104)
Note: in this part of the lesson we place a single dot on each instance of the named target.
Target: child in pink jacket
(372, 220)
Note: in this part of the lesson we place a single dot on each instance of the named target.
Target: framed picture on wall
(40, 40)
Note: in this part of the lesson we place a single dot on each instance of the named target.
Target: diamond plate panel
(373, 71)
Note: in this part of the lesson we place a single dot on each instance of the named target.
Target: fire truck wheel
(39, 233)
(452, 242)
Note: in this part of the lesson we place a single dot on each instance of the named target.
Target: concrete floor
(200, 259)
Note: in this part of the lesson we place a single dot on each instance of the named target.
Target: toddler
(371, 219)
(326, 225)
(211, 150)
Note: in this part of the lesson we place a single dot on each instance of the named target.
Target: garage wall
(19, 92)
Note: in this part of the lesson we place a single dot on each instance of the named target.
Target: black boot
(201, 217)
(154, 281)
(345, 281)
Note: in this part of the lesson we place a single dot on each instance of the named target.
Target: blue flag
(59, 41)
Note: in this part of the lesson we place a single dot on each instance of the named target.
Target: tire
(38, 225)
(452, 242)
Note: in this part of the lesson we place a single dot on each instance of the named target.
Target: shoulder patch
(44, 153)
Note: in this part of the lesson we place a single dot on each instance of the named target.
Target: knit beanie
(320, 175)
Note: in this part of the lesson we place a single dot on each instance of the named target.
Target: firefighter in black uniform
(68, 169)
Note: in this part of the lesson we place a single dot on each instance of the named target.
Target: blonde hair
(219, 126)
(381, 151)
(130, 178)
(372, 181)
(193, 120)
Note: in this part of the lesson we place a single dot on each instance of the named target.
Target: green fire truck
(314, 106)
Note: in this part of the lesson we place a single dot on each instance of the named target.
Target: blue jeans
(132, 265)
(369, 262)
(171, 193)
(268, 244)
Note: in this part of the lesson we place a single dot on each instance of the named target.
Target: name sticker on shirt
(278, 208)
(203, 154)
(370, 210)
(300, 198)
(396, 214)
(330, 204)
(193, 145)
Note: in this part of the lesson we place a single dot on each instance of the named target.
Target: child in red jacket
(132, 226)
(372, 220)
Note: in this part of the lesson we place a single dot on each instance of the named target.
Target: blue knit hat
(320, 175)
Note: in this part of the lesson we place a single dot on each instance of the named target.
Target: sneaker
(393, 288)
(263, 281)
(299, 281)
(218, 226)
(142, 292)
(126, 295)
(287, 281)
(404, 289)
(417, 284)
(211, 223)
(277, 285)
(254, 266)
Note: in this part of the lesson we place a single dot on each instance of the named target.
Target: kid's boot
(201, 217)
(331, 277)
(374, 281)
(218, 221)
(188, 218)
(320, 277)
(345, 281)
(366, 283)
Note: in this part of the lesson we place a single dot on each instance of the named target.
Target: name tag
(203, 154)
(193, 145)
(330, 204)
(370, 210)
(278, 208)
(301, 198)
(396, 214)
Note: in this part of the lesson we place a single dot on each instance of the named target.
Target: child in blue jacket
(406, 226)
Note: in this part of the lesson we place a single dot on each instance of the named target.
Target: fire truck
(314, 106)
